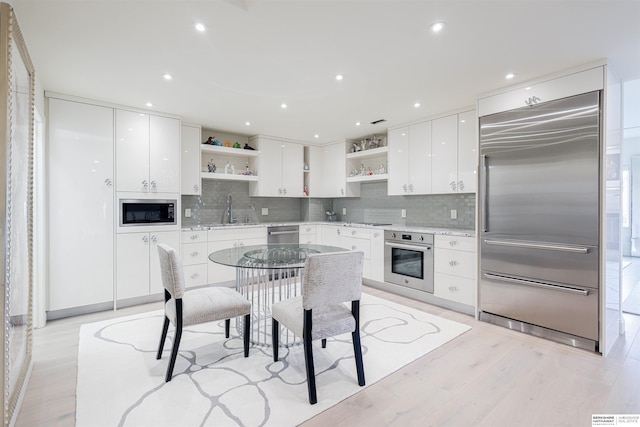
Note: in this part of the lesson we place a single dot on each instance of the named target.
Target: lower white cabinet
(229, 238)
(138, 265)
(194, 257)
(349, 238)
(377, 255)
(308, 234)
(455, 268)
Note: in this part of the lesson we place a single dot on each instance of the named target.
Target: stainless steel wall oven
(408, 259)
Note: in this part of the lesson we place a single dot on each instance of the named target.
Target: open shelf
(368, 153)
(228, 176)
(368, 178)
(226, 151)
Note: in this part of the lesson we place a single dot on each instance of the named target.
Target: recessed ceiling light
(283, 105)
(167, 76)
(527, 88)
(339, 77)
(200, 26)
(509, 76)
(417, 104)
(437, 27)
(316, 136)
(247, 123)
(357, 123)
(149, 104)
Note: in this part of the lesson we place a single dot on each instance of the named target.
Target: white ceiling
(257, 54)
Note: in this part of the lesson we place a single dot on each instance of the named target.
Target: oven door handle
(420, 248)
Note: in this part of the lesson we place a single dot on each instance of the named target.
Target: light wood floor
(490, 376)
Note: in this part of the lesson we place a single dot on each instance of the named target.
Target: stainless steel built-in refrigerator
(539, 219)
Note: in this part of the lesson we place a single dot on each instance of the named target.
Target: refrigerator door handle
(527, 245)
(485, 204)
(583, 292)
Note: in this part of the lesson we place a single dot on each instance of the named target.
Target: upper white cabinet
(190, 136)
(280, 169)
(81, 204)
(467, 152)
(434, 157)
(334, 167)
(147, 153)
(444, 148)
(410, 160)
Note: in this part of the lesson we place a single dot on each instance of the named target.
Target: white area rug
(120, 382)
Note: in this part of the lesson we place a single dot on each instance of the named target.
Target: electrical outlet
(187, 213)
(344, 211)
(403, 213)
(265, 211)
(454, 214)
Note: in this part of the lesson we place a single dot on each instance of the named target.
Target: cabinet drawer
(195, 275)
(354, 244)
(455, 262)
(356, 233)
(239, 233)
(308, 229)
(459, 243)
(454, 288)
(194, 253)
(193, 236)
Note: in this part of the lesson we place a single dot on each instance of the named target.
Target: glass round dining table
(266, 274)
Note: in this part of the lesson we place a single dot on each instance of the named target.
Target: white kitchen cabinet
(147, 153)
(190, 159)
(280, 167)
(228, 238)
(455, 263)
(330, 235)
(467, 152)
(444, 151)
(377, 255)
(138, 266)
(410, 160)
(308, 234)
(81, 204)
(195, 253)
(334, 166)
(351, 239)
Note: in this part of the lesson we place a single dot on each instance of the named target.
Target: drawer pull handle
(453, 288)
(194, 236)
(453, 263)
(453, 243)
(195, 275)
(194, 254)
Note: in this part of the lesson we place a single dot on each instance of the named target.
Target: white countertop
(415, 229)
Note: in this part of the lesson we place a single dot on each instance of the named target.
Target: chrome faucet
(228, 211)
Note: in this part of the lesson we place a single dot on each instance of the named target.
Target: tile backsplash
(373, 206)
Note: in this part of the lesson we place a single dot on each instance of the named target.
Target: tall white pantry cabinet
(81, 199)
(95, 149)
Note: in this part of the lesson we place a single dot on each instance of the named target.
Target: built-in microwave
(141, 212)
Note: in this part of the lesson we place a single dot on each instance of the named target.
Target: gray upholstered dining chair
(184, 308)
(330, 280)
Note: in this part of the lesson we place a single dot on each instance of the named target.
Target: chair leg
(247, 331)
(275, 338)
(227, 327)
(324, 343)
(176, 341)
(307, 341)
(163, 337)
(357, 348)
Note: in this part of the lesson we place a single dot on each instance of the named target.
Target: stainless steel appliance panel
(569, 310)
(408, 260)
(283, 234)
(147, 212)
(568, 264)
(540, 173)
(539, 215)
